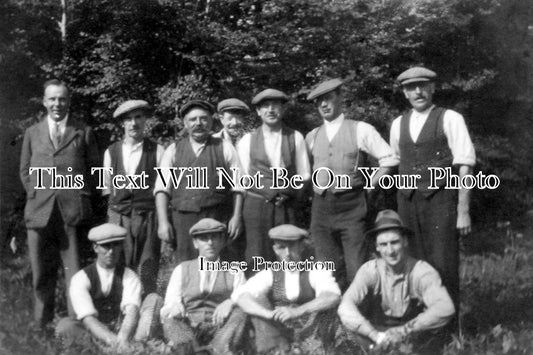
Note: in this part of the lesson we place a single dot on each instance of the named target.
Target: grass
(496, 308)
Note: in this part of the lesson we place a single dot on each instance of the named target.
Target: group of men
(388, 298)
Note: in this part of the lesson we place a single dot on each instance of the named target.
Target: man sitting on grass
(289, 305)
(198, 313)
(106, 298)
(395, 296)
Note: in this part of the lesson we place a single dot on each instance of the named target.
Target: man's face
(198, 123)
(209, 245)
(329, 105)
(288, 250)
(233, 122)
(134, 122)
(392, 246)
(107, 254)
(271, 112)
(57, 101)
(419, 94)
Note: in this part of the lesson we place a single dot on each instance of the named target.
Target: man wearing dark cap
(395, 296)
(430, 136)
(272, 145)
(338, 213)
(287, 303)
(232, 113)
(53, 215)
(106, 298)
(198, 311)
(131, 206)
(197, 150)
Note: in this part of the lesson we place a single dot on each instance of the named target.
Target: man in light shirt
(338, 213)
(198, 312)
(232, 113)
(395, 296)
(198, 149)
(133, 207)
(286, 304)
(106, 298)
(273, 144)
(53, 215)
(430, 136)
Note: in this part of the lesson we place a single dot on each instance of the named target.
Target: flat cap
(287, 232)
(196, 104)
(129, 106)
(232, 104)
(270, 94)
(416, 74)
(107, 233)
(324, 88)
(207, 225)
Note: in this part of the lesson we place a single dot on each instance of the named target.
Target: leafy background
(170, 51)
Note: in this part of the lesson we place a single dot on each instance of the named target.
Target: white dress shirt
(455, 131)
(261, 283)
(60, 124)
(272, 145)
(80, 286)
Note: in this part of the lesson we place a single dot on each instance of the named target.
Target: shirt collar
(103, 271)
(62, 123)
(337, 121)
(425, 112)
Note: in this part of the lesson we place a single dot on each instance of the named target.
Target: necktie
(56, 135)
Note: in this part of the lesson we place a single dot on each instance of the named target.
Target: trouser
(142, 247)
(71, 331)
(198, 330)
(47, 248)
(321, 326)
(433, 221)
(337, 229)
(183, 221)
(259, 217)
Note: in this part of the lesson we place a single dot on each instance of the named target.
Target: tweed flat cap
(287, 232)
(324, 88)
(270, 94)
(129, 106)
(232, 104)
(385, 220)
(107, 233)
(416, 74)
(196, 104)
(205, 226)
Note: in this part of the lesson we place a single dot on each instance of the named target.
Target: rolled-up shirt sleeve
(174, 292)
(258, 286)
(323, 281)
(459, 139)
(80, 296)
(439, 306)
(131, 289)
(233, 162)
(371, 142)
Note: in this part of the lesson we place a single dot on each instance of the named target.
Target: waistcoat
(211, 157)
(278, 294)
(124, 200)
(108, 307)
(430, 150)
(259, 160)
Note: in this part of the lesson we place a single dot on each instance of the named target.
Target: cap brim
(372, 233)
(114, 239)
(415, 80)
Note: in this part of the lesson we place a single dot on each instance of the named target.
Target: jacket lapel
(72, 129)
(44, 134)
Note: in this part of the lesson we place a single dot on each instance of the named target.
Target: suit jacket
(77, 150)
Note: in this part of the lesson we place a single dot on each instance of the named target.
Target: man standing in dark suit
(52, 214)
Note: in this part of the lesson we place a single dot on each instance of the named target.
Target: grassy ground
(496, 309)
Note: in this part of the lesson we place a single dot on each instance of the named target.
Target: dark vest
(278, 296)
(341, 155)
(108, 307)
(123, 201)
(430, 150)
(259, 160)
(211, 157)
(190, 285)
